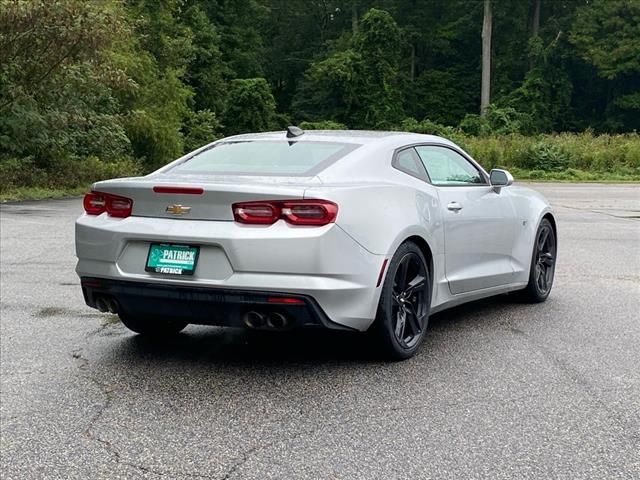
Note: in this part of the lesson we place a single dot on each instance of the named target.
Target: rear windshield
(260, 157)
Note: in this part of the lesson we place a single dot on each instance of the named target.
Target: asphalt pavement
(499, 390)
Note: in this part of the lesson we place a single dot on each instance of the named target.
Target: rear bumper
(324, 265)
(204, 306)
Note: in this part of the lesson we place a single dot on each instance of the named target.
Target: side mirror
(500, 178)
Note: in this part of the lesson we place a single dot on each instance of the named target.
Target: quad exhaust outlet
(107, 304)
(266, 321)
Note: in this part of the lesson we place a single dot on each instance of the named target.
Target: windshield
(261, 157)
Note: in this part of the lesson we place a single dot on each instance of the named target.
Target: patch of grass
(571, 157)
(572, 175)
(24, 179)
(41, 193)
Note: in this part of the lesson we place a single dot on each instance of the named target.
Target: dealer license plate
(172, 259)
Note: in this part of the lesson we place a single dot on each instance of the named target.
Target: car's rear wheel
(405, 300)
(152, 326)
(543, 264)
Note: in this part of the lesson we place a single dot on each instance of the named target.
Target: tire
(543, 264)
(152, 327)
(405, 301)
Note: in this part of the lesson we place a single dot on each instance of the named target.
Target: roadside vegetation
(101, 89)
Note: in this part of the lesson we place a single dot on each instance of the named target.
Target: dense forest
(91, 89)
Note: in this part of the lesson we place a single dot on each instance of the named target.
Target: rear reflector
(90, 283)
(178, 190)
(381, 274)
(286, 300)
(97, 203)
(295, 212)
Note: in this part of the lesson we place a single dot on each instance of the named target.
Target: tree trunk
(535, 22)
(413, 62)
(535, 27)
(485, 90)
(354, 17)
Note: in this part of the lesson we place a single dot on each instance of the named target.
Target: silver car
(348, 230)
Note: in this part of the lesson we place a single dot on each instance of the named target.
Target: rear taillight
(309, 212)
(119, 206)
(296, 212)
(256, 213)
(97, 203)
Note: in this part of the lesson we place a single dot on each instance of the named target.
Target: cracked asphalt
(499, 389)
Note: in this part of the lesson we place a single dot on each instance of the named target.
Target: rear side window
(407, 161)
(260, 157)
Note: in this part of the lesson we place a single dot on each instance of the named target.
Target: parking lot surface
(499, 389)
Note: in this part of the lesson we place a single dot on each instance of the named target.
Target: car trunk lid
(183, 197)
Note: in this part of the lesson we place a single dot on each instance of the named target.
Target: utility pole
(485, 89)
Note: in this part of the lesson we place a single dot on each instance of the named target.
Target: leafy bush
(67, 173)
(600, 155)
(324, 125)
(251, 106)
(428, 127)
(499, 121)
(545, 156)
(200, 128)
(154, 141)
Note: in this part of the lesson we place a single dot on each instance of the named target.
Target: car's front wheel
(152, 326)
(405, 300)
(543, 264)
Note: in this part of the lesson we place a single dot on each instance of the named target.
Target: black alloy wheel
(405, 301)
(543, 264)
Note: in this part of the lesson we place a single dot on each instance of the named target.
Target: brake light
(261, 213)
(97, 203)
(285, 300)
(178, 190)
(119, 206)
(295, 212)
(309, 212)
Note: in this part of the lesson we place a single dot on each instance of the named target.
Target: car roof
(362, 137)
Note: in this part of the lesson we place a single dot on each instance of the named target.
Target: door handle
(454, 207)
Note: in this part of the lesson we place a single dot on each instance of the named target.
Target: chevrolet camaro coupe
(350, 230)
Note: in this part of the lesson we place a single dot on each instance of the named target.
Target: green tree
(57, 80)
(358, 86)
(606, 34)
(159, 100)
(251, 106)
(377, 42)
(206, 74)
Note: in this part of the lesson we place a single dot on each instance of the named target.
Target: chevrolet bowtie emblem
(177, 209)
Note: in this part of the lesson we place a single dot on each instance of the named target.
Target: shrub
(154, 140)
(545, 156)
(65, 173)
(323, 125)
(200, 128)
(501, 121)
(251, 106)
(603, 155)
(428, 127)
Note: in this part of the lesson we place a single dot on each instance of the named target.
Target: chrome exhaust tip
(101, 304)
(277, 321)
(112, 305)
(254, 319)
